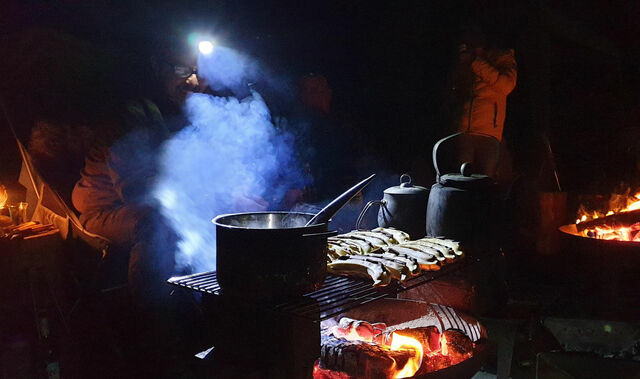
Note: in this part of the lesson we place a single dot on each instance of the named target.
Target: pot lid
(405, 187)
(465, 179)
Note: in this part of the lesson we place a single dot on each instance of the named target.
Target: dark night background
(389, 63)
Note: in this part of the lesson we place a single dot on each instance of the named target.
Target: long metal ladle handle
(333, 207)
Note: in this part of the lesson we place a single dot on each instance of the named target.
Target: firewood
(428, 336)
(459, 346)
(614, 221)
(360, 359)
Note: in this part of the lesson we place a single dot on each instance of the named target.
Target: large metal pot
(270, 255)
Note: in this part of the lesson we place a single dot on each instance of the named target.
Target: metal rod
(552, 160)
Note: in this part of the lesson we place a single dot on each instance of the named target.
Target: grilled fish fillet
(362, 268)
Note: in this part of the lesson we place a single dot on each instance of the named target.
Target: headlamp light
(205, 47)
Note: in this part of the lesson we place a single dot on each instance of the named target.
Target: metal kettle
(462, 206)
(402, 207)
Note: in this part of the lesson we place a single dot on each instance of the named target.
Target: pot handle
(447, 140)
(434, 153)
(321, 235)
(366, 208)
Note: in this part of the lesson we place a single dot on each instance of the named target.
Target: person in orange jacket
(483, 79)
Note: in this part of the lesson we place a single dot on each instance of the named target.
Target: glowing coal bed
(439, 340)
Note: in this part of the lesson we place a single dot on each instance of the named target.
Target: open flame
(620, 233)
(3, 196)
(444, 348)
(399, 342)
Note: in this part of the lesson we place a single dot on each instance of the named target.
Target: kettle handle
(366, 208)
(447, 139)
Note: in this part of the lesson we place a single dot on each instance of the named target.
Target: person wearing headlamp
(174, 76)
(114, 193)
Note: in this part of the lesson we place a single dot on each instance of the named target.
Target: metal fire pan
(571, 231)
(601, 254)
(604, 271)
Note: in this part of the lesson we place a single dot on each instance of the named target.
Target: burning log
(614, 221)
(359, 349)
(458, 344)
(359, 359)
(429, 336)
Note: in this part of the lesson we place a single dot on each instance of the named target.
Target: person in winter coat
(483, 79)
(113, 196)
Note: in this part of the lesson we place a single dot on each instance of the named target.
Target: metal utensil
(333, 207)
(552, 161)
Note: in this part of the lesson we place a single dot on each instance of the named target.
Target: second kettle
(402, 207)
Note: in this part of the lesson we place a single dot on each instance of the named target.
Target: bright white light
(205, 47)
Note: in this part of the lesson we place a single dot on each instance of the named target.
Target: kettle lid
(465, 179)
(405, 187)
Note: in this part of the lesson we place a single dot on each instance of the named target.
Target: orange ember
(321, 373)
(621, 233)
(3, 196)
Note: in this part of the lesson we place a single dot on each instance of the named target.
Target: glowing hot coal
(3, 196)
(378, 351)
(355, 330)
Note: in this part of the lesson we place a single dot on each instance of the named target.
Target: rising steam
(229, 159)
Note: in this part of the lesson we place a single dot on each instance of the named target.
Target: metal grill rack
(337, 295)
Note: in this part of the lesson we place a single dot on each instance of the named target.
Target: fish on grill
(359, 245)
(442, 251)
(451, 244)
(397, 269)
(353, 253)
(366, 241)
(350, 266)
(397, 235)
(426, 260)
(412, 263)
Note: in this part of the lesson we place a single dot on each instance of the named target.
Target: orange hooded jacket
(495, 76)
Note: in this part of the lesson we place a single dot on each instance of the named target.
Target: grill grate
(337, 295)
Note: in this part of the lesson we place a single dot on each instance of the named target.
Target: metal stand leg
(503, 334)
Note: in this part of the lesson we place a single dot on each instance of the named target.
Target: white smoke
(230, 159)
(225, 68)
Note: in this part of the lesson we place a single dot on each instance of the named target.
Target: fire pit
(294, 322)
(410, 339)
(619, 219)
(606, 271)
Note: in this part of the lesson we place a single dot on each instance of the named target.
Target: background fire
(3, 196)
(620, 220)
